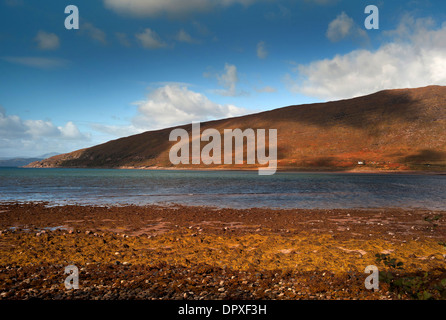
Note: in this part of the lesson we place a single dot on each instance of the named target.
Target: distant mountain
(17, 162)
(401, 129)
(48, 155)
(23, 161)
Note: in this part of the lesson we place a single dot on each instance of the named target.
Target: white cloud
(201, 28)
(175, 104)
(228, 80)
(70, 131)
(12, 126)
(94, 33)
(169, 105)
(172, 8)
(183, 36)
(415, 56)
(242, 2)
(261, 50)
(152, 8)
(40, 128)
(37, 62)
(31, 137)
(344, 27)
(47, 41)
(149, 39)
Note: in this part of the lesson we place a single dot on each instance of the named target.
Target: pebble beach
(201, 253)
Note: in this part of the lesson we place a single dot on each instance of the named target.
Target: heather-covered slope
(390, 130)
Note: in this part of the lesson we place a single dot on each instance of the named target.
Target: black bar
(304, 309)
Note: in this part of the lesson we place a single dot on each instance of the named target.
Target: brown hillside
(390, 130)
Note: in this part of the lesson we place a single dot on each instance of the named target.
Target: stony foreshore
(177, 252)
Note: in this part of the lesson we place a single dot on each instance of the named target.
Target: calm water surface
(223, 188)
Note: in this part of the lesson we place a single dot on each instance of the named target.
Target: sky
(139, 65)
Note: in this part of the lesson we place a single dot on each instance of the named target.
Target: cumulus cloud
(70, 131)
(344, 27)
(47, 41)
(170, 104)
(12, 126)
(94, 33)
(172, 8)
(183, 36)
(414, 56)
(40, 128)
(36, 136)
(228, 79)
(261, 50)
(38, 62)
(201, 28)
(175, 104)
(149, 39)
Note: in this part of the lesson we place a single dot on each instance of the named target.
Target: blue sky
(138, 65)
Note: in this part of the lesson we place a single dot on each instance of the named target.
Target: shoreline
(170, 253)
(174, 205)
(356, 170)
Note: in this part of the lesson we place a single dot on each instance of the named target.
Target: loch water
(233, 189)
